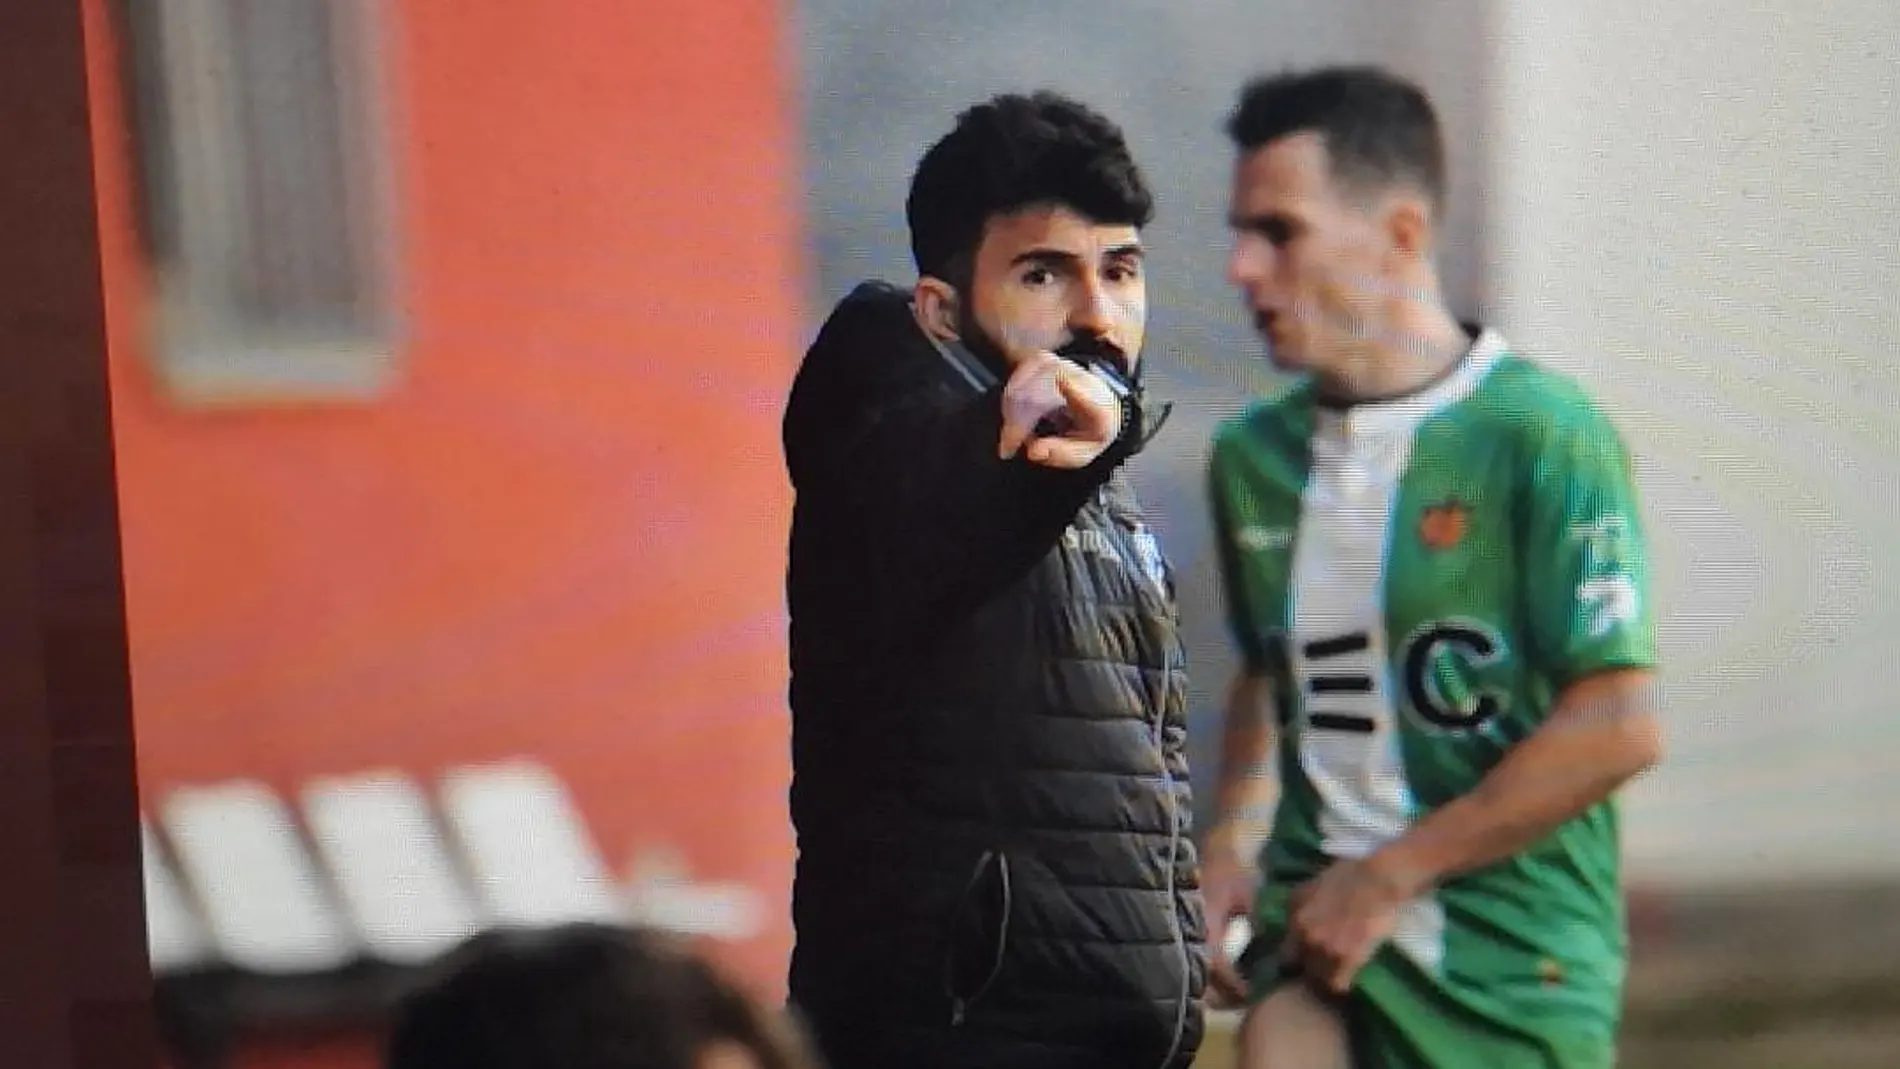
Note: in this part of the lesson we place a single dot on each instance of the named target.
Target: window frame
(183, 133)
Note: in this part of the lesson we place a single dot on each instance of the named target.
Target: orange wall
(563, 536)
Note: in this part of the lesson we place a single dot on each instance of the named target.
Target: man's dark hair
(1380, 130)
(581, 997)
(1012, 152)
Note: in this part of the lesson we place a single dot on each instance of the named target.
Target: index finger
(1014, 435)
(1343, 969)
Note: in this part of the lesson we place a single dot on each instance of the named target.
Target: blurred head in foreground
(586, 997)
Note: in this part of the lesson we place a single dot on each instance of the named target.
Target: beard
(1086, 350)
(981, 343)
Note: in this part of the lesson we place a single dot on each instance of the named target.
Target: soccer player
(1435, 572)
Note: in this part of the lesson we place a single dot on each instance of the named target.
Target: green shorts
(1401, 1017)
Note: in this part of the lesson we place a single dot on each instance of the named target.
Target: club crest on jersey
(1442, 526)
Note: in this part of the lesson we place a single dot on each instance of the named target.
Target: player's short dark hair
(1380, 130)
(1012, 152)
(581, 997)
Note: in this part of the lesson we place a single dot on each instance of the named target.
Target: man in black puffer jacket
(990, 787)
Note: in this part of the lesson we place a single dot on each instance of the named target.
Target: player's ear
(937, 306)
(1408, 222)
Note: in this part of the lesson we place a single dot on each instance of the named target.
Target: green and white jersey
(1422, 578)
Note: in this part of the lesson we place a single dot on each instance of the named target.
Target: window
(264, 179)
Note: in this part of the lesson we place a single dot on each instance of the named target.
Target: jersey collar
(1407, 412)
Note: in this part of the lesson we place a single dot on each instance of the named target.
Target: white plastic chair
(532, 860)
(662, 894)
(266, 905)
(379, 839)
(175, 936)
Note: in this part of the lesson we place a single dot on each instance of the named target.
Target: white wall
(1697, 207)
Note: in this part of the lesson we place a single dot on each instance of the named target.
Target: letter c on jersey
(1471, 643)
